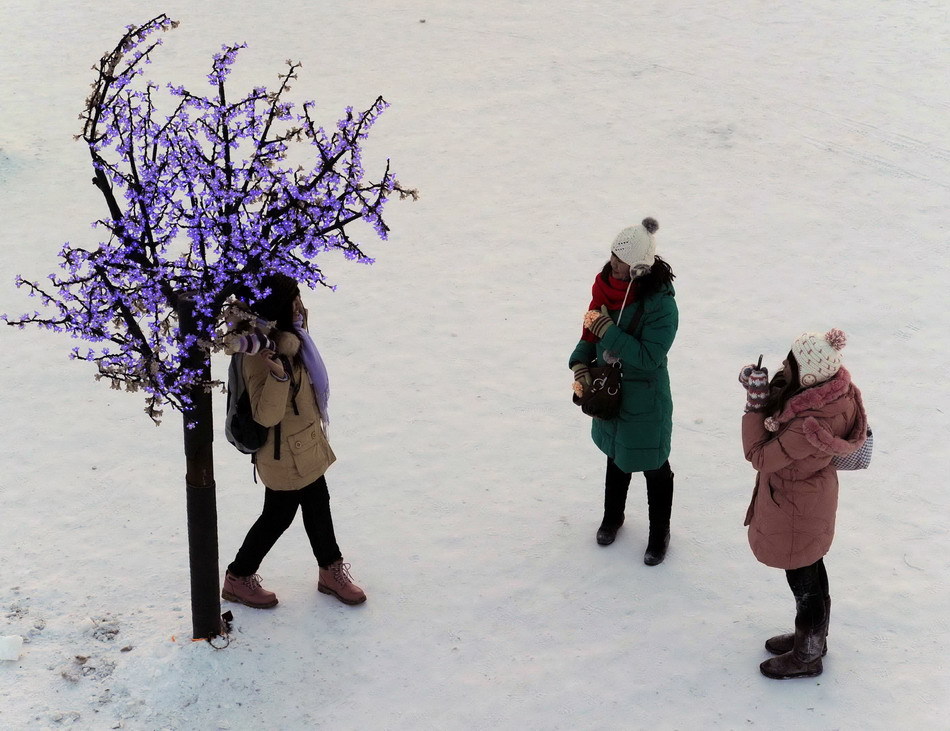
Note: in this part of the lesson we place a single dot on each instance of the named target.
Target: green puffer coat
(639, 438)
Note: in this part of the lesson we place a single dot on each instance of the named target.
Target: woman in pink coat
(791, 431)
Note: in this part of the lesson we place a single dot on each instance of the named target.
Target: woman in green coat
(633, 318)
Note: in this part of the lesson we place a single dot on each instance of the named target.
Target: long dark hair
(784, 385)
(660, 276)
(278, 306)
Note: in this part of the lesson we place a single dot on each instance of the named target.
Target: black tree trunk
(199, 481)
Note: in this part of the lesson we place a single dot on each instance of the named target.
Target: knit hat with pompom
(635, 246)
(818, 356)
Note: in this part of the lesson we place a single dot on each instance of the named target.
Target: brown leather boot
(247, 590)
(335, 579)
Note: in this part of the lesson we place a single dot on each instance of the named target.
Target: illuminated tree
(202, 202)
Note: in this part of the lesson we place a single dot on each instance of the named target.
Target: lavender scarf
(317, 371)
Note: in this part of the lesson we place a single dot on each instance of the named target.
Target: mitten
(744, 375)
(597, 321)
(757, 389)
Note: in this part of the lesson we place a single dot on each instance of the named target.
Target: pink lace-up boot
(335, 579)
(247, 590)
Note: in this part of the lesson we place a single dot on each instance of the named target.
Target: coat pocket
(306, 446)
(639, 397)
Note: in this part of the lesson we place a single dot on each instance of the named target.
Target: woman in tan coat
(791, 431)
(288, 388)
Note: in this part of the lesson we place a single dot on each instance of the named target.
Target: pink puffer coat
(791, 517)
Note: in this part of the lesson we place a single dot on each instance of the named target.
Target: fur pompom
(650, 225)
(287, 343)
(836, 338)
(771, 424)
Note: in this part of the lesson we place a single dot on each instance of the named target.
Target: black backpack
(241, 430)
(239, 426)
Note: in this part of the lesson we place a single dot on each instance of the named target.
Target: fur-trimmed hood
(821, 401)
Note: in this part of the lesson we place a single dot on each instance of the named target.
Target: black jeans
(280, 509)
(809, 585)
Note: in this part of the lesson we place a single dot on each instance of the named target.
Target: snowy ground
(797, 157)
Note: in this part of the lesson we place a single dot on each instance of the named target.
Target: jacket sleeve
(268, 395)
(657, 331)
(585, 352)
(770, 452)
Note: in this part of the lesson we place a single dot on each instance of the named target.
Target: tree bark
(200, 489)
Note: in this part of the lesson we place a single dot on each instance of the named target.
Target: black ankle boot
(656, 547)
(607, 532)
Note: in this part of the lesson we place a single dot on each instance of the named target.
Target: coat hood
(822, 400)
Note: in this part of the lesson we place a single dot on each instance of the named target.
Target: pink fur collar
(811, 398)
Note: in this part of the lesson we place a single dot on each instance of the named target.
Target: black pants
(280, 509)
(809, 585)
(659, 493)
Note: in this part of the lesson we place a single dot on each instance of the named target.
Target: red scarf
(611, 293)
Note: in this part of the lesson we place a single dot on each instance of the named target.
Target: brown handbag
(601, 400)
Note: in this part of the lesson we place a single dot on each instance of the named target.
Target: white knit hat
(818, 356)
(635, 246)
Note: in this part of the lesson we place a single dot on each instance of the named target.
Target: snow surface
(797, 157)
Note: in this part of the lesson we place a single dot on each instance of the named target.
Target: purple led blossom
(201, 202)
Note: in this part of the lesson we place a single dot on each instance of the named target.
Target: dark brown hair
(660, 276)
(784, 385)
(278, 306)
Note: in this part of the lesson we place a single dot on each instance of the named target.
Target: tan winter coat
(791, 517)
(305, 454)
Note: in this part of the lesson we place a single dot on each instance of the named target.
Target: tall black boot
(660, 502)
(804, 660)
(780, 644)
(812, 612)
(616, 483)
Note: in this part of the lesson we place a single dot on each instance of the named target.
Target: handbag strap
(632, 327)
(634, 322)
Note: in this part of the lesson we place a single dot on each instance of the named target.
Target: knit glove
(581, 378)
(597, 321)
(757, 388)
(581, 373)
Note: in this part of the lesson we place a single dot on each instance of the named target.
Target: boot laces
(252, 582)
(341, 572)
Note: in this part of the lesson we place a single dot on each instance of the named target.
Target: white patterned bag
(858, 460)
